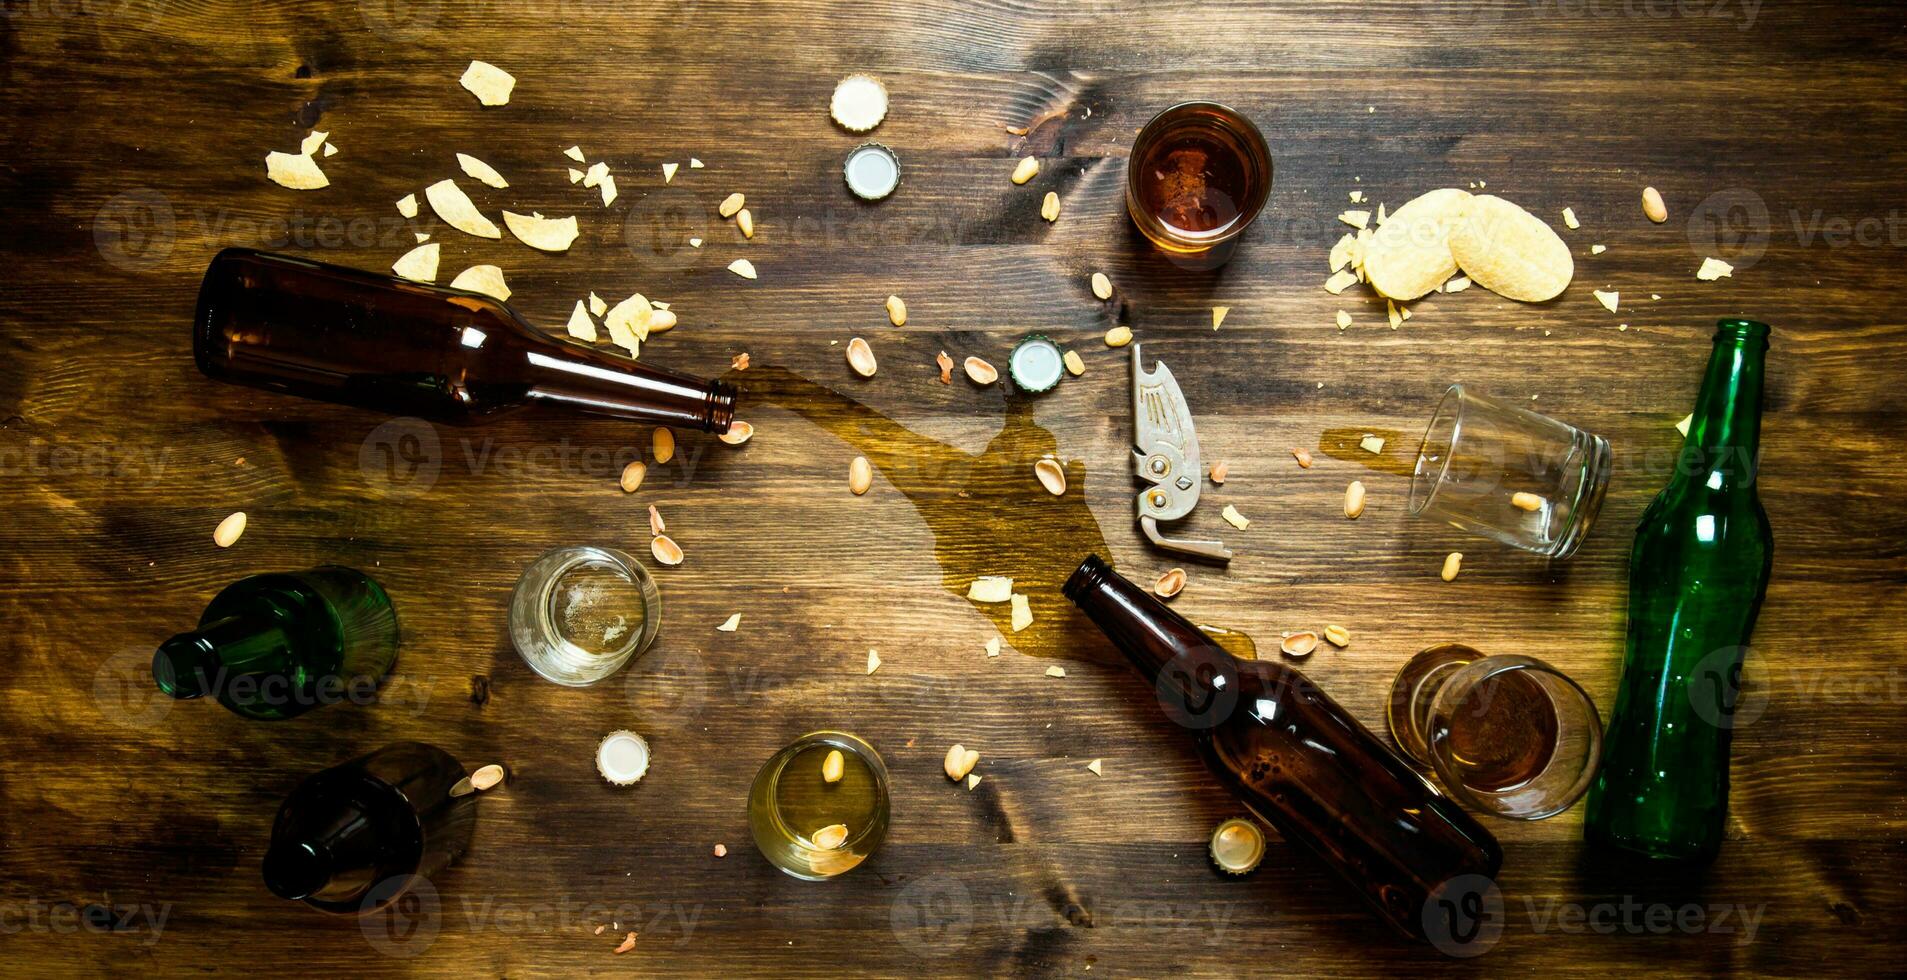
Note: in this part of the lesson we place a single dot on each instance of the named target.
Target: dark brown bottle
(356, 837)
(375, 341)
(1300, 761)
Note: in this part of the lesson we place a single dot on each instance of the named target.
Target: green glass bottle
(1696, 576)
(275, 646)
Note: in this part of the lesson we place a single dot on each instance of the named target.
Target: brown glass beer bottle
(1301, 762)
(374, 341)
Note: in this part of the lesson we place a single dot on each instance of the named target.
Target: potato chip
(575, 175)
(421, 237)
(1343, 252)
(1409, 255)
(668, 172)
(490, 84)
(454, 206)
(1713, 269)
(597, 171)
(1569, 219)
(1339, 281)
(1356, 219)
(597, 305)
(1609, 299)
(330, 150)
(695, 163)
(313, 142)
(481, 171)
(859, 104)
(419, 264)
(485, 279)
(538, 232)
(580, 325)
(294, 170)
(407, 205)
(574, 153)
(631, 316)
(1456, 285)
(743, 268)
(1510, 251)
(608, 187)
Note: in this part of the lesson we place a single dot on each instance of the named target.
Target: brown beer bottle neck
(1168, 649)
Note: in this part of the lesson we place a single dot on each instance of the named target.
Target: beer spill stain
(1398, 458)
(987, 511)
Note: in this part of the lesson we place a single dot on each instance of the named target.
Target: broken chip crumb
(1022, 614)
(575, 153)
(1344, 319)
(743, 268)
(740, 361)
(457, 210)
(628, 943)
(312, 142)
(1683, 425)
(1056, 671)
(1713, 269)
(485, 279)
(1371, 444)
(993, 646)
(731, 624)
(490, 84)
(575, 175)
(1340, 281)
(1356, 219)
(695, 243)
(973, 779)
(1094, 768)
(1234, 518)
(1609, 299)
(543, 234)
(1598, 249)
(597, 304)
(479, 170)
(580, 325)
(330, 150)
(297, 171)
(873, 660)
(608, 187)
(1390, 310)
(407, 205)
(721, 850)
(668, 172)
(695, 163)
(990, 588)
(421, 237)
(594, 176)
(419, 264)
(1569, 219)
(1218, 315)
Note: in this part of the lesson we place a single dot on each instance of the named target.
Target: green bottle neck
(1724, 434)
(195, 663)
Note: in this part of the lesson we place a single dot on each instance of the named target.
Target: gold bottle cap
(1237, 846)
(622, 758)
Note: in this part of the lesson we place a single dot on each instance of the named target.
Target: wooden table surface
(131, 150)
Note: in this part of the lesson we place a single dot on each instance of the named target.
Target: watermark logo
(668, 684)
(932, 916)
(1728, 688)
(1730, 224)
(402, 916)
(658, 228)
(1463, 917)
(1197, 689)
(400, 20)
(125, 693)
(134, 231)
(403, 456)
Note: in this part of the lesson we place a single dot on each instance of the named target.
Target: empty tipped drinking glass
(579, 614)
(1508, 735)
(1510, 474)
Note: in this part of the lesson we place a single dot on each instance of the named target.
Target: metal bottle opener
(1167, 457)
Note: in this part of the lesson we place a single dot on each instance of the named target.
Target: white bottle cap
(622, 758)
(872, 171)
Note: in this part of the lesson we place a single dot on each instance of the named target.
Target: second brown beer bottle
(1302, 763)
(360, 338)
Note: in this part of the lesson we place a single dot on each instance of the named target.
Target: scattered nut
(1102, 286)
(1527, 501)
(1049, 208)
(833, 766)
(1075, 365)
(740, 361)
(960, 761)
(730, 205)
(1303, 458)
(1051, 474)
(832, 836)
(1298, 644)
(1338, 635)
(981, 372)
(226, 534)
(897, 311)
(666, 550)
(746, 222)
(946, 367)
(1452, 563)
(738, 432)
(1354, 499)
(663, 443)
(1170, 584)
(1220, 470)
(628, 943)
(632, 476)
(861, 357)
(1652, 205)
(1028, 167)
(486, 777)
(860, 475)
(721, 850)
(1118, 336)
(657, 525)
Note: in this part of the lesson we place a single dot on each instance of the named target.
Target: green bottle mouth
(1741, 329)
(176, 667)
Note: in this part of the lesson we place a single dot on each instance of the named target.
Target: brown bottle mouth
(721, 407)
(1092, 572)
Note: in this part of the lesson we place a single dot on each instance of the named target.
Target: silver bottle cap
(1036, 364)
(872, 171)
